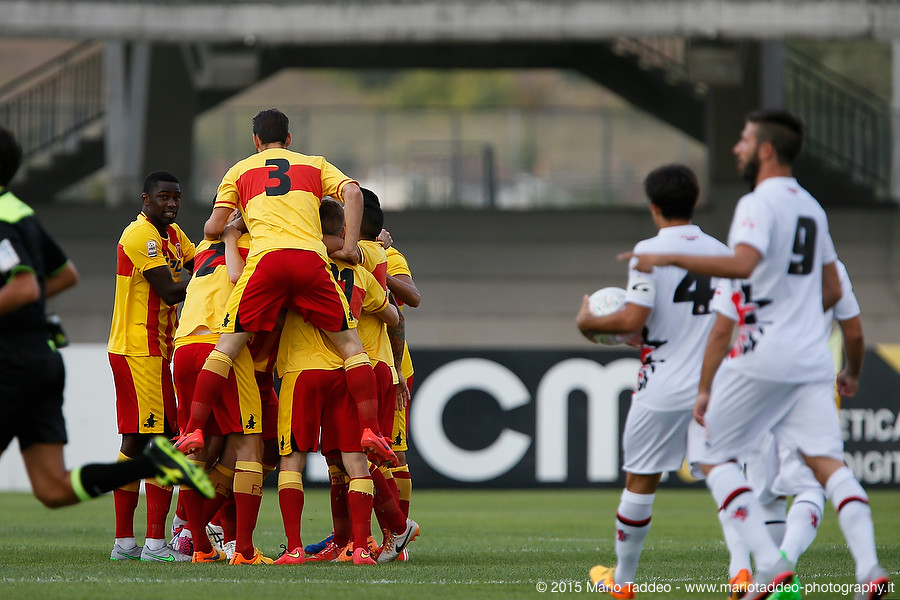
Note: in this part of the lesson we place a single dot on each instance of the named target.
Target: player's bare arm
(397, 337)
(389, 314)
(403, 288)
(234, 262)
(216, 222)
(831, 286)
(854, 350)
(160, 279)
(20, 290)
(631, 318)
(61, 280)
(739, 265)
(353, 208)
(717, 345)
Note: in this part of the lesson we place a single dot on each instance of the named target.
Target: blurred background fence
(509, 158)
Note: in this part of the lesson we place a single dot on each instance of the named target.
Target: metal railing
(846, 125)
(45, 106)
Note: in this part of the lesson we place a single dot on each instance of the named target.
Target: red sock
(210, 385)
(180, 511)
(290, 499)
(247, 498)
(340, 511)
(362, 388)
(159, 501)
(359, 498)
(228, 519)
(196, 511)
(126, 501)
(386, 508)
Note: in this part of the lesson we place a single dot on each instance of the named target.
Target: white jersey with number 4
(680, 318)
(779, 308)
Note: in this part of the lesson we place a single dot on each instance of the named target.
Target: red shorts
(387, 398)
(145, 398)
(239, 410)
(263, 348)
(304, 398)
(299, 280)
(341, 431)
(265, 381)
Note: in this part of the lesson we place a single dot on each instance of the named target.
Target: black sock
(98, 479)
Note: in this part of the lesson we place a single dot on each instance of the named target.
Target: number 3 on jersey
(696, 289)
(279, 176)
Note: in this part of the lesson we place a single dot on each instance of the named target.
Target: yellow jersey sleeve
(396, 263)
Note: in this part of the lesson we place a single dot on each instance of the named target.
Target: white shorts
(774, 471)
(657, 441)
(801, 416)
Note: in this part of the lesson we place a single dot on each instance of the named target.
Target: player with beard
(778, 376)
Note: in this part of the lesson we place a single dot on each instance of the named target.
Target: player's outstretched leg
(173, 468)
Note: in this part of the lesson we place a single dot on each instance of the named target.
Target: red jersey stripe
(253, 182)
(153, 302)
(124, 266)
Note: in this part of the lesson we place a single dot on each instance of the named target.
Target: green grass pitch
(474, 544)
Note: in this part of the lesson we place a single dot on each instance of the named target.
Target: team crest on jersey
(178, 251)
(151, 248)
(648, 362)
(750, 328)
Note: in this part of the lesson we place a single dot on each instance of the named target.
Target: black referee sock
(90, 481)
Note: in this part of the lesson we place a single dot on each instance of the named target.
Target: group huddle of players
(295, 279)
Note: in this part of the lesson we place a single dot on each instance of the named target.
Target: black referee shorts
(32, 377)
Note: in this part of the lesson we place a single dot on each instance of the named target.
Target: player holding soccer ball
(671, 307)
(778, 375)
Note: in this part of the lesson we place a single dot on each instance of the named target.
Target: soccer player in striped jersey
(313, 392)
(152, 255)
(238, 414)
(405, 293)
(671, 308)
(278, 193)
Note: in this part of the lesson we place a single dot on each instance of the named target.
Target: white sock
(855, 518)
(126, 543)
(774, 514)
(632, 526)
(154, 544)
(176, 522)
(736, 499)
(802, 523)
(738, 552)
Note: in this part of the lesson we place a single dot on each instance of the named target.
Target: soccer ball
(605, 302)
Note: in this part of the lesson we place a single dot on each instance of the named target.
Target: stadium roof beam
(318, 21)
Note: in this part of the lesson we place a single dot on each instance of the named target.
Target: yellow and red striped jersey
(374, 259)
(278, 192)
(397, 265)
(371, 329)
(142, 324)
(209, 289)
